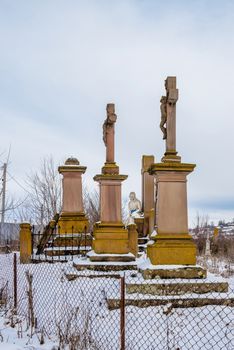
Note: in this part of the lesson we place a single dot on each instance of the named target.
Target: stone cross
(109, 133)
(168, 114)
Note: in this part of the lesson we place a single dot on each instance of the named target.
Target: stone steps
(82, 265)
(63, 251)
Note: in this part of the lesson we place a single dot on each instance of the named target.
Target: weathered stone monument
(172, 244)
(72, 217)
(110, 234)
(71, 236)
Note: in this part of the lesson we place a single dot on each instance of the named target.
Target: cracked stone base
(176, 288)
(173, 272)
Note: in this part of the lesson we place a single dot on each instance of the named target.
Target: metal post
(72, 244)
(3, 236)
(59, 236)
(32, 241)
(85, 252)
(122, 312)
(15, 280)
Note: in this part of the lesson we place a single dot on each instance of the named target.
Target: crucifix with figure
(110, 235)
(109, 133)
(168, 119)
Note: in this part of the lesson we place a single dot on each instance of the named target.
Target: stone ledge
(177, 288)
(74, 276)
(102, 266)
(111, 258)
(187, 272)
(174, 303)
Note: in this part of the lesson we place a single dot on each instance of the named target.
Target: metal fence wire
(118, 310)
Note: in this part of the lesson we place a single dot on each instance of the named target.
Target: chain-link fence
(90, 309)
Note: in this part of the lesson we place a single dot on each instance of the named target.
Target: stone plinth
(172, 245)
(25, 243)
(110, 235)
(148, 195)
(110, 238)
(72, 218)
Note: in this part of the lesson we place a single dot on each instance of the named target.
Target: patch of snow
(81, 261)
(92, 253)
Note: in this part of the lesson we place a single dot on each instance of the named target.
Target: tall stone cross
(109, 133)
(168, 118)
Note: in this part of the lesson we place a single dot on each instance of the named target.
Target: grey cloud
(61, 63)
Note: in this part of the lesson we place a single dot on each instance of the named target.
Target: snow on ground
(19, 337)
(79, 307)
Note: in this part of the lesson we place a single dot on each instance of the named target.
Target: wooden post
(15, 280)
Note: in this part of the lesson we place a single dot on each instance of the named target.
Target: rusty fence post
(15, 280)
(122, 312)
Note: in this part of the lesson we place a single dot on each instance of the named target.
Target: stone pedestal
(25, 243)
(72, 219)
(148, 195)
(172, 245)
(110, 235)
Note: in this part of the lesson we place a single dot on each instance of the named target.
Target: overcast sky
(62, 61)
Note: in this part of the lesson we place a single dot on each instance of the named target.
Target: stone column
(148, 193)
(72, 218)
(25, 243)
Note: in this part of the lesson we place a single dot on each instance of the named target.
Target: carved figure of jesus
(163, 108)
(109, 132)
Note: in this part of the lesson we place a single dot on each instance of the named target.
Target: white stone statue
(134, 208)
(207, 250)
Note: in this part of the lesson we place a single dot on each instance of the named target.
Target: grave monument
(172, 244)
(72, 217)
(111, 240)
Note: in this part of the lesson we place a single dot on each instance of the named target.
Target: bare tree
(45, 193)
(201, 222)
(91, 204)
